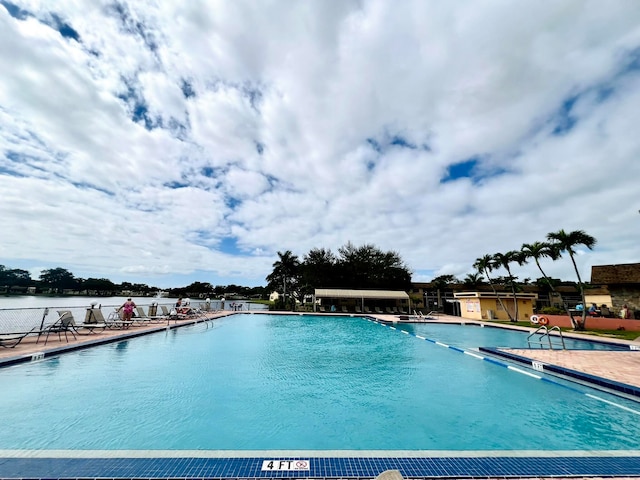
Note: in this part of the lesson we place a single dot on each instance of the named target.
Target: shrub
(552, 311)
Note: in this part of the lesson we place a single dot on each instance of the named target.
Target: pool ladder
(544, 337)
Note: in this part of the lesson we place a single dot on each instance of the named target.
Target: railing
(544, 337)
(20, 320)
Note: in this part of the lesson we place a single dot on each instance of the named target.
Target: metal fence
(22, 320)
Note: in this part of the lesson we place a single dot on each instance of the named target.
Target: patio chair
(153, 314)
(170, 315)
(91, 321)
(114, 320)
(142, 317)
(390, 310)
(367, 309)
(358, 309)
(345, 309)
(64, 324)
(10, 340)
(377, 310)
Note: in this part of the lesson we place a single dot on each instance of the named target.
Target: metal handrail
(545, 333)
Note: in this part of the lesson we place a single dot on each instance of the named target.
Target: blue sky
(167, 143)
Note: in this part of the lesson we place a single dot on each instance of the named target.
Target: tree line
(364, 267)
(57, 280)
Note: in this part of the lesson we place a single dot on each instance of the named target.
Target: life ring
(534, 319)
(543, 321)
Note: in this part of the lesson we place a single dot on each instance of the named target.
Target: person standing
(625, 312)
(127, 310)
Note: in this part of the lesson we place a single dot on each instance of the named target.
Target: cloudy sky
(169, 142)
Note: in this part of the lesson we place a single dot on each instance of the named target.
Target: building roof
(615, 274)
(340, 293)
(478, 294)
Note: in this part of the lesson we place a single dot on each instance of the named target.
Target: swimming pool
(265, 382)
(475, 335)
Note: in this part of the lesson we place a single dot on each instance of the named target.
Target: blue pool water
(254, 382)
(474, 336)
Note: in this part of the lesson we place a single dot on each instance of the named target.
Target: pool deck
(622, 367)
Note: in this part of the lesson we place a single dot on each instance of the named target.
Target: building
(487, 306)
(622, 284)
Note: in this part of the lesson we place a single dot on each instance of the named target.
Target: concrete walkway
(32, 345)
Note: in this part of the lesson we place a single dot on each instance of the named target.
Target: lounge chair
(402, 311)
(345, 309)
(377, 310)
(358, 309)
(143, 317)
(114, 320)
(64, 324)
(367, 309)
(170, 315)
(10, 340)
(390, 310)
(91, 320)
(321, 309)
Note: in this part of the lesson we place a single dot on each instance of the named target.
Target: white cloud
(310, 124)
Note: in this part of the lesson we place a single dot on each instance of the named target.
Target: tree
(567, 242)
(318, 269)
(474, 279)
(485, 265)
(99, 285)
(504, 260)
(440, 283)
(58, 279)
(285, 273)
(538, 250)
(199, 288)
(369, 267)
(14, 277)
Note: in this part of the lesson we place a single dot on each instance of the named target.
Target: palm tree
(484, 265)
(538, 250)
(566, 242)
(503, 260)
(473, 279)
(284, 270)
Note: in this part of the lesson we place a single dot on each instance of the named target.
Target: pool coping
(586, 378)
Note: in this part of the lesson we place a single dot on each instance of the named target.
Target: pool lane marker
(540, 366)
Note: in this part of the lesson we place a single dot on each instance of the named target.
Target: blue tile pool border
(610, 465)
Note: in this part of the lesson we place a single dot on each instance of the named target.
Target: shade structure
(360, 296)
